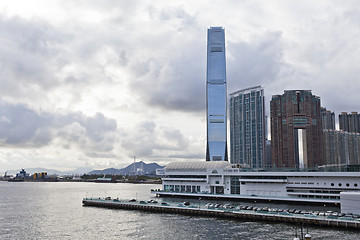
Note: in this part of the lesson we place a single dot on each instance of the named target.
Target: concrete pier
(225, 213)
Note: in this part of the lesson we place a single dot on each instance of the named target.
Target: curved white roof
(195, 166)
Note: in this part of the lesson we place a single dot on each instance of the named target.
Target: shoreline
(94, 181)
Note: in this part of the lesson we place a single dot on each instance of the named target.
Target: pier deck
(225, 213)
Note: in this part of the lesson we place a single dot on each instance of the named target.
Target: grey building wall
(349, 122)
(341, 148)
(327, 119)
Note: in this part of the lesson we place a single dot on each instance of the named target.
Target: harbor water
(53, 210)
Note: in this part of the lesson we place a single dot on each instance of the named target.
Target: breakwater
(195, 210)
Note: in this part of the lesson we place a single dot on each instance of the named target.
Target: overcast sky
(93, 83)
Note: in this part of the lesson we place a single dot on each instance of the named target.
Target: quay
(247, 215)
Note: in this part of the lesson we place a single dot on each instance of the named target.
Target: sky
(93, 83)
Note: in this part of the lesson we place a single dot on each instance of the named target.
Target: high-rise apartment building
(349, 122)
(327, 119)
(247, 127)
(341, 148)
(216, 96)
(296, 130)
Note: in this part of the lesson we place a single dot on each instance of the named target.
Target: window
(217, 182)
(332, 184)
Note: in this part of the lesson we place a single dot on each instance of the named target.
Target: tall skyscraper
(216, 96)
(247, 127)
(296, 130)
(349, 122)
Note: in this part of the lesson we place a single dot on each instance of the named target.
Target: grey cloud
(146, 138)
(254, 63)
(22, 126)
(171, 75)
(176, 86)
(29, 55)
(189, 156)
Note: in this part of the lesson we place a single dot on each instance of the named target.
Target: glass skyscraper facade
(247, 127)
(216, 96)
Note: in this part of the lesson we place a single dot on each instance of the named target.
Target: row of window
(332, 184)
(312, 191)
(323, 197)
(186, 176)
(182, 188)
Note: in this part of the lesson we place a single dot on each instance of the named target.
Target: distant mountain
(78, 171)
(108, 171)
(139, 168)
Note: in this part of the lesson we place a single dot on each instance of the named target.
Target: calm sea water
(30, 210)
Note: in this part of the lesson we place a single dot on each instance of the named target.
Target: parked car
(335, 214)
(291, 210)
(239, 207)
(228, 206)
(328, 213)
(209, 205)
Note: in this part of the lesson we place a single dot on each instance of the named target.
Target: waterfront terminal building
(222, 180)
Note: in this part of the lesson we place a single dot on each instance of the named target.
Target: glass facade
(235, 185)
(247, 127)
(216, 94)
